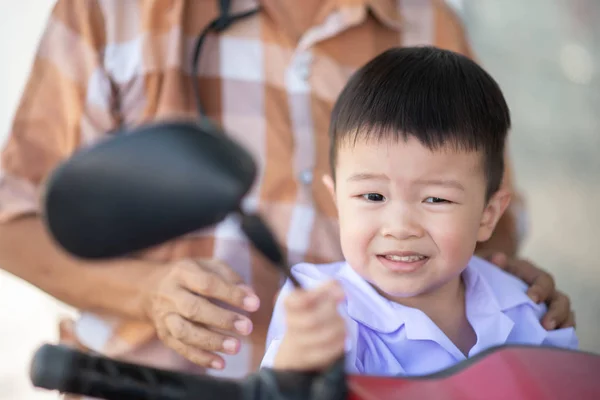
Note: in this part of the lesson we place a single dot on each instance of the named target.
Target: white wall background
(27, 316)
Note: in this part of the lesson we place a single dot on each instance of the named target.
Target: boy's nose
(402, 223)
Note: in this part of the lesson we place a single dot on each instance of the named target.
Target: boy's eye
(436, 200)
(376, 197)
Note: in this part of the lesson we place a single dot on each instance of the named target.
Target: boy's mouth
(407, 259)
(402, 261)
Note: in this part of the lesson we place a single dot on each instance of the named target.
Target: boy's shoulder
(508, 290)
(511, 295)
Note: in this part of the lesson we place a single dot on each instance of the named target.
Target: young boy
(417, 145)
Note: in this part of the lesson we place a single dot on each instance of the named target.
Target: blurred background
(545, 55)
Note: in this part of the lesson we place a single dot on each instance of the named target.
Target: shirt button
(303, 65)
(303, 72)
(306, 177)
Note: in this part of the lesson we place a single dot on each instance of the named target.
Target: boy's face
(409, 217)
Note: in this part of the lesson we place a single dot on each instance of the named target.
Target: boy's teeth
(404, 258)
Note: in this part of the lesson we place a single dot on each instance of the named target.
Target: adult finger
(200, 310)
(199, 336)
(220, 268)
(569, 322)
(559, 311)
(227, 273)
(542, 288)
(198, 356)
(499, 259)
(541, 283)
(204, 282)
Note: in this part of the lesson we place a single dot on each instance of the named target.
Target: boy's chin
(396, 292)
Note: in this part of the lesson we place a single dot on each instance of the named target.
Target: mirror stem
(261, 237)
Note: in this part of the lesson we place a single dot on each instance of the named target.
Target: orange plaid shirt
(103, 64)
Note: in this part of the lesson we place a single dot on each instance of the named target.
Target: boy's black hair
(437, 96)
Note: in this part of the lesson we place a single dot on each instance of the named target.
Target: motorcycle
(160, 181)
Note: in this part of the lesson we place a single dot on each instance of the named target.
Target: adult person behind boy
(270, 80)
(417, 156)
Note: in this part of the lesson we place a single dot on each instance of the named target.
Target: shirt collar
(368, 307)
(496, 285)
(339, 15)
(386, 11)
(489, 293)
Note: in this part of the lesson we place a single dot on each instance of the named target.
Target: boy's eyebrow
(367, 177)
(450, 183)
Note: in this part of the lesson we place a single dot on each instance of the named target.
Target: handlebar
(71, 371)
(502, 372)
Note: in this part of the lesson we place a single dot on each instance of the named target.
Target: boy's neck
(446, 307)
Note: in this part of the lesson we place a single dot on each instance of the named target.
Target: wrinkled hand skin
(181, 304)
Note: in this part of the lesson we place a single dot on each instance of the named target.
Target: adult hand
(184, 307)
(541, 289)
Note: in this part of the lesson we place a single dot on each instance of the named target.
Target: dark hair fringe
(440, 97)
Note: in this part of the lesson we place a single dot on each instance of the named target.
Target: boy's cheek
(352, 216)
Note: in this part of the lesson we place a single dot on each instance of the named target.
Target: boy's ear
(492, 213)
(328, 182)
